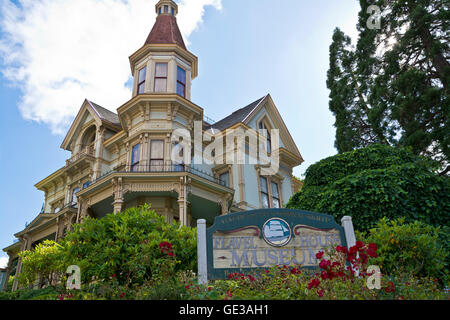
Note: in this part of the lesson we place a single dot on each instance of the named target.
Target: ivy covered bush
(375, 182)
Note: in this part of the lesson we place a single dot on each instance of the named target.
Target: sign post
(201, 252)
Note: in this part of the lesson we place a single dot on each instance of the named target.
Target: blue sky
(246, 49)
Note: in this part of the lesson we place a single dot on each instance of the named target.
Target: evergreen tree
(392, 88)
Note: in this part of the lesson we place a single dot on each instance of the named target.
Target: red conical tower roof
(165, 30)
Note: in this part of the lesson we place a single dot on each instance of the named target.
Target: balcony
(85, 152)
(164, 167)
(169, 167)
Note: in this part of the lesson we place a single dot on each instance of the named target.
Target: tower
(163, 64)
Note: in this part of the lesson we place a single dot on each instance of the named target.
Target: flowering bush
(413, 248)
(342, 276)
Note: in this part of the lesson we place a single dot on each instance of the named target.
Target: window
(262, 126)
(166, 9)
(157, 155)
(225, 179)
(141, 80)
(161, 77)
(74, 197)
(276, 203)
(181, 82)
(264, 192)
(135, 157)
(172, 11)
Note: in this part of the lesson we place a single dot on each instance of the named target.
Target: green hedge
(375, 182)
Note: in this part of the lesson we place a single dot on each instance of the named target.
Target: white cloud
(59, 52)
(3, 262)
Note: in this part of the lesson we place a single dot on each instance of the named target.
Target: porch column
(100, 137)
(118, 195)
(182, 201)
(25, 246)
(224, 204)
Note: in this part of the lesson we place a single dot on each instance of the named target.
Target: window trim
(181, 83)
(143, 81)
(261, 192)
(224, 168)
(134, 164)
(275, 179)
(263, 125)
(150, 153)
(158, 77)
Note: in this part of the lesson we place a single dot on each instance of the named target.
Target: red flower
(229, 294)
(341, 249)
(324, 264)
(353, 250)
(314, 283)
(320, 293)
(319, 255)
(113, 276)
(373, 247)
(359, 244)
(122, 295)
(372, 253)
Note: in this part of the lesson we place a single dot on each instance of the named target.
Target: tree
(392, 88)
(375, 182)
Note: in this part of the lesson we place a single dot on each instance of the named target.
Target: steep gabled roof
(101, 116)
(165, 31)
(236, 117)
(105, 114)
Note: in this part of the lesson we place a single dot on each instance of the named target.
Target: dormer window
(161, 77)
(166, 9)
(141, 80)
(181, 82)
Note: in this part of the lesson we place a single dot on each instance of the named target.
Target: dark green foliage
(375, 182)
(392, 88)
(48, 293)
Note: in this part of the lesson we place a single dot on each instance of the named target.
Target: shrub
(127, 245)
(336, 280)
(375, 182)
(44, 261)
(411, 248)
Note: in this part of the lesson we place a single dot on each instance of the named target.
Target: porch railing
(87, 151)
